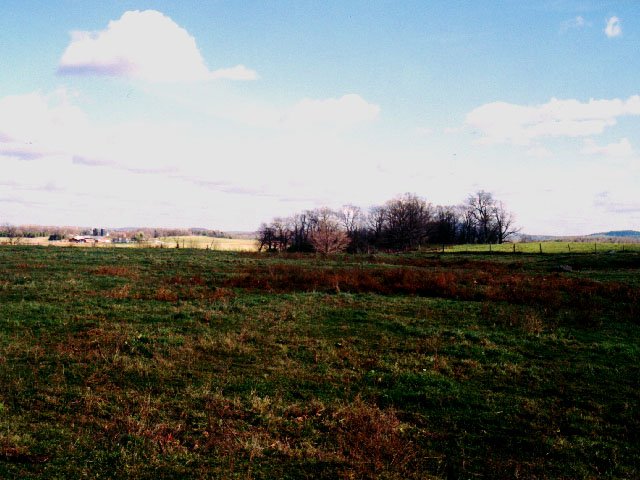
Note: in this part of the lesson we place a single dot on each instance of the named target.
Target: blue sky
(224, 114)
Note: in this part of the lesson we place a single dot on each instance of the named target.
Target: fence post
(514, 248)
(540, 245)
(569, 247)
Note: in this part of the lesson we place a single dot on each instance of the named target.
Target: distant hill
(617, 233)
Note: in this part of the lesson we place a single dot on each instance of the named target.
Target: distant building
(88, 239)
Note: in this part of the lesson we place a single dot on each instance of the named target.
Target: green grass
(596, 246)
(178, 363)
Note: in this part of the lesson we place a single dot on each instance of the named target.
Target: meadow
(549, 246)
(212, 243)
(186, 241)
(192, 363)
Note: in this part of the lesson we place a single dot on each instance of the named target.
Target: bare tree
(407, 222)
(328, 236)
(283, 233)
(351, 218)
(504, 222)
(481, 205)
(266, 237)
(467, 232)
(445, 225)
(301, 225)
(375, 224)
(13, 233)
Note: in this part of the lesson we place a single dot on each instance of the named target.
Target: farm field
(190, 363)
(551, 246)
(193, 241)
(251, 245)
(220, 244)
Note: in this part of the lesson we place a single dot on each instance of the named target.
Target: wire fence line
(541, 247)
(248, 245)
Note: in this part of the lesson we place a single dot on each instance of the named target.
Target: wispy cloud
(91, 162)
(619, 149)
(613, 28)
(610, 203)
(20, 151)
(239, 72)
(539, 152)
(502, 122)
(146, 45)
(423, 131)
(20, 201)
(574, 24)
(342, 113)
(39, 124)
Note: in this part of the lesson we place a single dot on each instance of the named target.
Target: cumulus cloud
(146, 45)
(339, 113)
(622, 148)
(502, 122)
(239, 72)
(613, 28)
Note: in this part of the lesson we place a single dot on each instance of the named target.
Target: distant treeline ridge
(60, 233)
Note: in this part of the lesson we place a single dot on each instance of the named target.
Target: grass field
(212, 243)
(220, 244)
(547, 247)
(185, 363)
(25, 241)
(250, 245)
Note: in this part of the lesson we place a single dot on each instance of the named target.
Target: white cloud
(539, 152)
(622, 148)
(82, 171)
(35, 124)
(575, 23)
(339, 113)
(613, 28)
(64, 146)
(423, 131)
(502, 122)
(239, 72)
(146, 45)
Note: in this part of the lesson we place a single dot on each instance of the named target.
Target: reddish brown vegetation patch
(115, 271)
(12, 454)
(120, 293)
(173, 294)
(474, 282)
(164, 294)
(92, 345)
(29, 266)
(186, 281)
(371, 440)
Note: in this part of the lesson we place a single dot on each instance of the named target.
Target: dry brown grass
(115, 271)
(490, 282)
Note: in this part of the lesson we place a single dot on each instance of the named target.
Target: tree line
(403, 223)
(14, 232)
